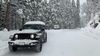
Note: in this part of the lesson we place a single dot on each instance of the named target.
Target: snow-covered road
(60, 43)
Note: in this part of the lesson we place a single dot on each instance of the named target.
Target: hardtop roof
(35, 22)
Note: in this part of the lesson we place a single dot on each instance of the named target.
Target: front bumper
(23, 43)
(24, 46)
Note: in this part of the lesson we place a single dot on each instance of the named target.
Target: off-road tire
(12, 48)
(38, 47)
(45, 40)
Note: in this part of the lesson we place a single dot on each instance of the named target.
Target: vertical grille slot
(24, 36)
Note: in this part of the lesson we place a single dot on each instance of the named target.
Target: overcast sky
(82, 1)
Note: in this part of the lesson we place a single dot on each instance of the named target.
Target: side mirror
(20, 29)
(46, 27)
(11, 36)
(42, 29)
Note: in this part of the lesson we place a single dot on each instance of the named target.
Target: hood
(29, 31)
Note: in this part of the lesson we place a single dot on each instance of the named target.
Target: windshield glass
(33, 26)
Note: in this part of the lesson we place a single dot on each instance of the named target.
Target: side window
(95, 25)
(44, 27)
(99, 20)
(91, 23)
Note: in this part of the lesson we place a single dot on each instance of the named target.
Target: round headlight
(16, 36)
(32, 43)
(32, 36)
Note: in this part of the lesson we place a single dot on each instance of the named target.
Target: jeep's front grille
(24, 36)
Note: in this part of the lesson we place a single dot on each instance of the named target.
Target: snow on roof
(35, 22)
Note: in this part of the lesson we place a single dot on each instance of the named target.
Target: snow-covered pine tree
(78, 14)
(73, 15)
(1, 19)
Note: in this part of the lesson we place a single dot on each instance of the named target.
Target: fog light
(11, 43)
(33, 44)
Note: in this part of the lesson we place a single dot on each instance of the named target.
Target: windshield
(33, 26)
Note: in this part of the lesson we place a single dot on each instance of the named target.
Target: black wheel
(38, 47)
(45, 40)
(12, 48)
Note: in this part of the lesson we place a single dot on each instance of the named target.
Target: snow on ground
(4, 36)
(93, 32)
(63, 42)
(3, 40)
(93, 27)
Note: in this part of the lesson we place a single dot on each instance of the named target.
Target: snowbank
(93, 27)
(3, 45)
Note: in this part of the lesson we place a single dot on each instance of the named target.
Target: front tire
(38, 47)
(45, 40)
(12, 48)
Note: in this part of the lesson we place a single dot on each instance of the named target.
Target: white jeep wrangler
(31, 35)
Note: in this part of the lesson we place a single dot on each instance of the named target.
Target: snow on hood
(28, 31)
